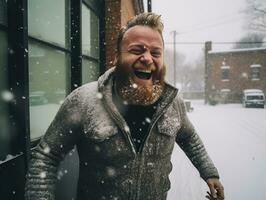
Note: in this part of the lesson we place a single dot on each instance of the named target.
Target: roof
(238, 50)
(252, 91)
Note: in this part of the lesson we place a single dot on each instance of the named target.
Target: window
(48, 21)
(225, 73)
(90, 45)
(49, 61)
(47, 67)
(90, 71)
(255, 72)
(5, 96)
(3, 12)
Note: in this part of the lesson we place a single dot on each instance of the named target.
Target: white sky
(200, 21)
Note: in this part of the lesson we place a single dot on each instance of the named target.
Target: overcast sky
(200, 21)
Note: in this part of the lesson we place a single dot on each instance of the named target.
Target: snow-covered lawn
(235, 138)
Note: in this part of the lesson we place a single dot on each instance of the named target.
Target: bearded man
(125, 126)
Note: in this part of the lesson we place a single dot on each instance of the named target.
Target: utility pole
(174, 43)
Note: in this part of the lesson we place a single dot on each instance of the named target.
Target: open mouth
(143, 74)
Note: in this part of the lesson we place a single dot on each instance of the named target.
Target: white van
(253, 98)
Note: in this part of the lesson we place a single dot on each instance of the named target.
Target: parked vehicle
(38, 98)
(253, 98)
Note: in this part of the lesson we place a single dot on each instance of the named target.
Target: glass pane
(3, 13)
(255, 73)
(5, 96)
(225, 73)
(90, 71)
(48, 21)
(90, 33)
(47, 85)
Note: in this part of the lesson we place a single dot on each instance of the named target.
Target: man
(125, 126)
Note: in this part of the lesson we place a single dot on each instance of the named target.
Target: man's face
(140, 61)
(141, 55)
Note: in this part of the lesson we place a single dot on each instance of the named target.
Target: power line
(211, 25)
(168, 43)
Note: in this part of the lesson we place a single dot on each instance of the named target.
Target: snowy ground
(235, 139)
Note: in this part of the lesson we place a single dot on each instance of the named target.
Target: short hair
(149, 19)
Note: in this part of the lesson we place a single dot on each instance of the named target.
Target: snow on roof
(237, 50)
(252, 91)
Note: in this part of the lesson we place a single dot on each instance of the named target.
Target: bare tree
(256, 13)
(251, 40)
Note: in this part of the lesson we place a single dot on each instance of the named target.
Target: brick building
(118, 12)
(228, 73)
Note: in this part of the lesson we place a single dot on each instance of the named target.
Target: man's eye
(136, 51)
(156, 54)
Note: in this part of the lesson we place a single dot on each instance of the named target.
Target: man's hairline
(120, 45)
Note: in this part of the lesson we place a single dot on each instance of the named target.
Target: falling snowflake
(60, 174)
(99, 95)
(42, 174)
(148, 120)
(97, 149)
(134, 85)
(110, 171)
(7, 96)
(47, 150)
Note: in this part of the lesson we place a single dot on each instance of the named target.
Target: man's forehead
(143, 35)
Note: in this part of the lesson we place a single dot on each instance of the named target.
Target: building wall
(127, 11)
(230, 90)
(117, 12)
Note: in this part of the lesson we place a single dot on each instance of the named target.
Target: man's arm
(60, 137)
(191, 144)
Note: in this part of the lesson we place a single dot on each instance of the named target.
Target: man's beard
(136, 94)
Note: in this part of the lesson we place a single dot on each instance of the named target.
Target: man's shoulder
(88, 90)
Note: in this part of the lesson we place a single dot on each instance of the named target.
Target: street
(235, 138)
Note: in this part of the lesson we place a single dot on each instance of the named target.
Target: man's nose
(146, 58)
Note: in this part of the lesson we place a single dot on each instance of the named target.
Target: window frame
(225, 73)
(87, 57)
(255, 75)
(58, 47)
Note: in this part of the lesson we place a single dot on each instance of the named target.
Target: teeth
(143, 70)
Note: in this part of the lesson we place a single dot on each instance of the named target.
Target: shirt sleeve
(190, 142)
(59, 139)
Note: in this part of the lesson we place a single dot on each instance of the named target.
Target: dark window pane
(225, 74)
(48, 85)
(90, 71)
(3, 13)
(48, 20)
(6, 96)
(90, 33)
